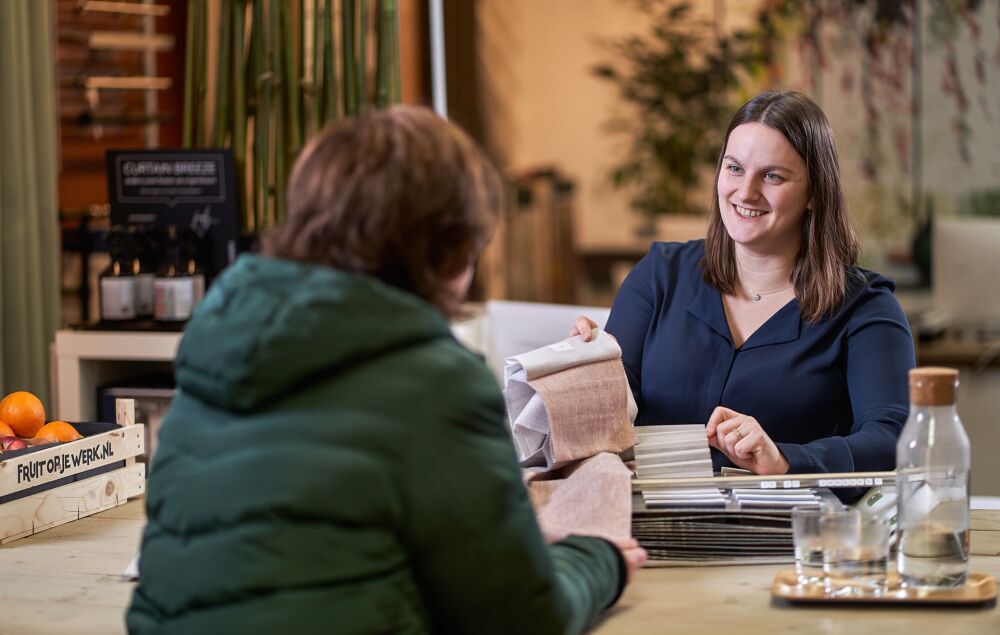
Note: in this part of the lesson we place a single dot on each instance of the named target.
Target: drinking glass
(808, 545)
(855, 554)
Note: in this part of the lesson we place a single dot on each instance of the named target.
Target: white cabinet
(84, 360)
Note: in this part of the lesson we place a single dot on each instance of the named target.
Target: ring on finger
(739, 433)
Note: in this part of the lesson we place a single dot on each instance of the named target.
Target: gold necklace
(756, 295)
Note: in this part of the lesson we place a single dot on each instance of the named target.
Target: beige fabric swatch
(587, 411)
(594, 500)
(568, 353)
(541, 491)
(569, 401)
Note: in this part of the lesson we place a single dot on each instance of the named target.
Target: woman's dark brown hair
(398, 194)
(829, 245)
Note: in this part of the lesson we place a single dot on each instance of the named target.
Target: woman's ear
(460, 284)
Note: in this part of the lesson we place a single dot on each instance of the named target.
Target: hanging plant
(678, 76)
(279, 80)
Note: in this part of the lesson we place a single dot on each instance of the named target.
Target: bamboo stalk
(239, 136)
(189, 46)
(362, 72)
(348, 57)
(395, 93)
(293, 116)
(277, 86)
(222, 97)
(315, 120)
(387, 64)
(284, 86)
(307, 58)
(251, 74)
(267, 117)
(201, 127)
(329, 68)
(381, 56)
(260, 116)
(250, 71)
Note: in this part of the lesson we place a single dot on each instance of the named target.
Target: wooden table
(737, 601)
(68, 580)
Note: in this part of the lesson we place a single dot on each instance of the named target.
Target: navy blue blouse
(832, 395)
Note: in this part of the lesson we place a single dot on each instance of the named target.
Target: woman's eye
(734, 169)
(773, 177)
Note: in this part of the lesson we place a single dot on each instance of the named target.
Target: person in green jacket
(334, 460)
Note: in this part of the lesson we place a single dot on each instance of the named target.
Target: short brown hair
(397, 194)
(829, 244)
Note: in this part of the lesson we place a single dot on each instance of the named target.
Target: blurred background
(605, 116)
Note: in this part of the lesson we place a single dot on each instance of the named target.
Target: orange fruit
(56, 432)
(23, 412)
(6, 430)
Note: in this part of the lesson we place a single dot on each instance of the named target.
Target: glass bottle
(933, 464)
(117, 282)
(192, 264)
(139, 248)
(173, 287)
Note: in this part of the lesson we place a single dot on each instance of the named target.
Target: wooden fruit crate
(50, 485)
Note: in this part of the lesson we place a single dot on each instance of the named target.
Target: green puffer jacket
(335, 462)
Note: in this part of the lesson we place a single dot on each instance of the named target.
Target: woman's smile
(748, 212)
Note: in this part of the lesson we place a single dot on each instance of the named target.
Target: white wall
(544, 105)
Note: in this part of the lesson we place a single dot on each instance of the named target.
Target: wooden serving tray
(979, 588)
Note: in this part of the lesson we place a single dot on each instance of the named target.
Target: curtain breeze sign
(184, 188)
(170, 180)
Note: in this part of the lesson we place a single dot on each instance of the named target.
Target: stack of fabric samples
(675, 452)
(685, 526)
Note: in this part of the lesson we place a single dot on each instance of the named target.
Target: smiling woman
(767, 331)
(780, 174)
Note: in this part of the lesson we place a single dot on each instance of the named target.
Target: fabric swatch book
(682, 526)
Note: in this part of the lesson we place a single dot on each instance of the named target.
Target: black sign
(184, 188)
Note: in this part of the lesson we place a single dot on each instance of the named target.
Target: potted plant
(676, 80)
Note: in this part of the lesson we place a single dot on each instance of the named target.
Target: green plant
(677, 80)
(278, 82)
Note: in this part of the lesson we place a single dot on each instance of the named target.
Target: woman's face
(762, 188)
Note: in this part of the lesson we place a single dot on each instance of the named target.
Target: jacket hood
(268, 326)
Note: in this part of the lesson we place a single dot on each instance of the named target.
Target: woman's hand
(634, 555)
(741, 438)
(584, 327)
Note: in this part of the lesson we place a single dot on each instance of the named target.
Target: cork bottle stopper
(930, 386)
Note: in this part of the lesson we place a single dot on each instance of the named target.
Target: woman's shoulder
(681, 259)
(690, 250)
(871, 295)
